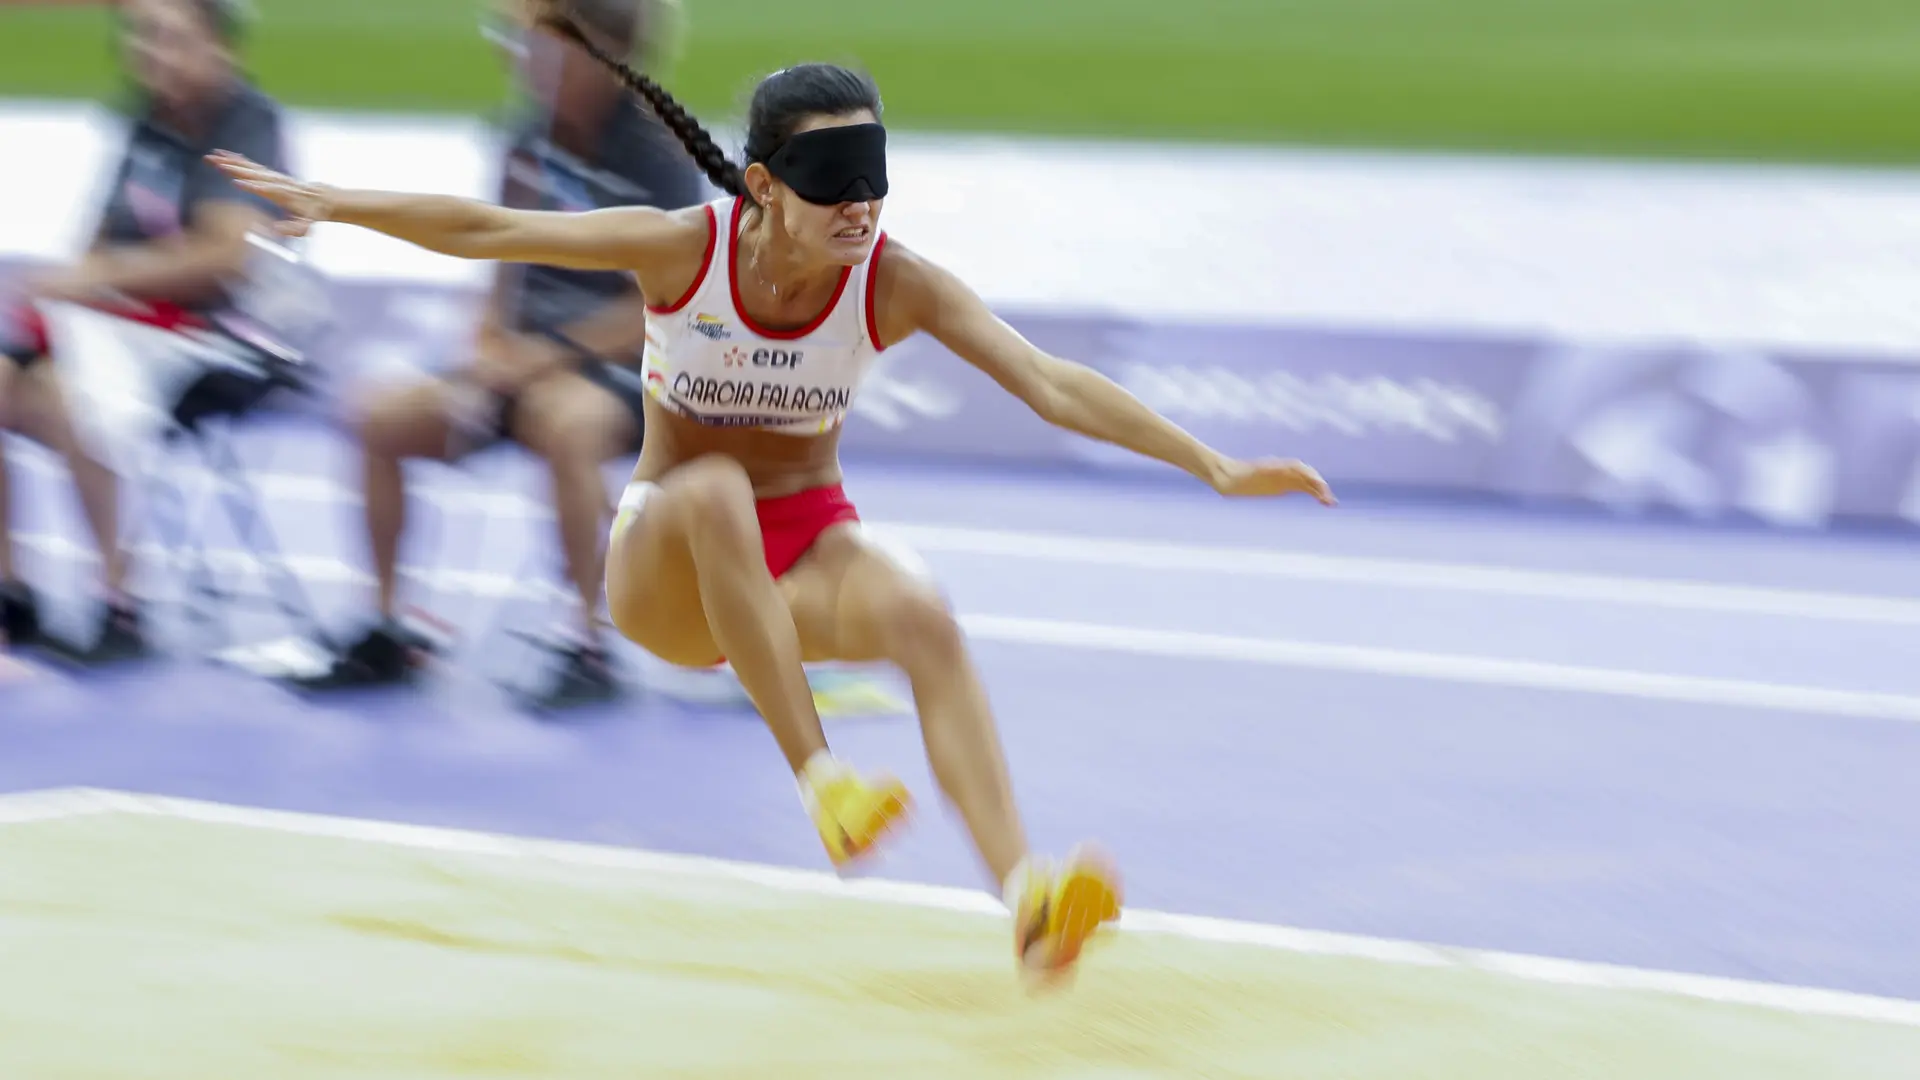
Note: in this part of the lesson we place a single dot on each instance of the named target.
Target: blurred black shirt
(639, 163)
(163, 178)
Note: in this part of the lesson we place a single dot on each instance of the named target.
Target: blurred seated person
(171, 240)
(555, 363)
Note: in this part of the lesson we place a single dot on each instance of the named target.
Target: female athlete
(734, 538)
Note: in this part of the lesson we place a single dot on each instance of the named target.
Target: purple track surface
(1700, 836)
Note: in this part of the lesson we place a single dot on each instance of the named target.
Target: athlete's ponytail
(700, 146)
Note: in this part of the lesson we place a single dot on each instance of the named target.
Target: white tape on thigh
(631, 501)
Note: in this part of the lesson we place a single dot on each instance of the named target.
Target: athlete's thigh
(851, 594)
(652, 586)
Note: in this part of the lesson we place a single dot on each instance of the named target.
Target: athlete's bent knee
(715, 493)
(918, 630)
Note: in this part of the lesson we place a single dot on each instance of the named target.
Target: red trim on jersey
(872, 290)
(706, 264)
(733, 281)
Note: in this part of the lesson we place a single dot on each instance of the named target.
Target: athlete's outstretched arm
(612, 239)
(1069, 395)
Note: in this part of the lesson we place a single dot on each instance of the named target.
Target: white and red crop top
(708, 361)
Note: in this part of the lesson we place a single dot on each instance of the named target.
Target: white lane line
(1190, 645)
(1484, 671)
(1374, 572)
(1233, 561)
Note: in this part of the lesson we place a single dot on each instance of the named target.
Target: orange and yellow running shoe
(851, 813)
(1057, 909)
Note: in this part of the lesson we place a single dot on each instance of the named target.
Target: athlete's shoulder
(894, 264)
(687, 226)
(905, 277)
(673, 251)
(703, 223)
(910, 292)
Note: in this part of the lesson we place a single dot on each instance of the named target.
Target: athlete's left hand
(1271, 476)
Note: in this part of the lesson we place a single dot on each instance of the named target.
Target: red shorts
(26, 336)
(791, 523)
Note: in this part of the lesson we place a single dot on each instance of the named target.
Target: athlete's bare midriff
(776, 464)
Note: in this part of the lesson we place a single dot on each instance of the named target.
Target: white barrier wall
(1820, 260)
(1717, 340)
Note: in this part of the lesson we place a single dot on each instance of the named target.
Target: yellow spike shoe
(1056, 910)
(851, 813)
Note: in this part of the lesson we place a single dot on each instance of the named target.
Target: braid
(699, 145)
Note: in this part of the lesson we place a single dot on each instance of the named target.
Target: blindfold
(833, 165)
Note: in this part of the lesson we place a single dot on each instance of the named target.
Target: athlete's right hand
(1271, 476)
(305, 203)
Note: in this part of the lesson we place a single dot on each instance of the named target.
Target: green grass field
(1795, 79)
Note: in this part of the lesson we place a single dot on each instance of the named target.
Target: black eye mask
(832, 165)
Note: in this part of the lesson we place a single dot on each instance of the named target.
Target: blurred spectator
(555, 361)
(171, 243)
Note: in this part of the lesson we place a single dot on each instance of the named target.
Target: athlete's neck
(777, 267)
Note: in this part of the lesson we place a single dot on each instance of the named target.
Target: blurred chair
(518, 649)
(145, 395)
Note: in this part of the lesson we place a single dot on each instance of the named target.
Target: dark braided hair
(700, 146)
(781, 103)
